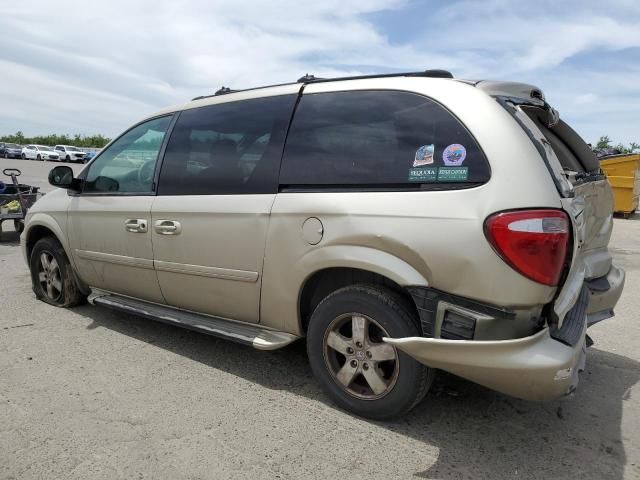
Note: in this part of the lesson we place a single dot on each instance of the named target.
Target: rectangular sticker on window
(453, 174)
(423, 174)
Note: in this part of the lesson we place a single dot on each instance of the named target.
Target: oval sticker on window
(454, 155)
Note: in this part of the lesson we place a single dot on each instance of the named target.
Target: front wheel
(359, 371)
(24, 157)
(51, 274)
(38, 157)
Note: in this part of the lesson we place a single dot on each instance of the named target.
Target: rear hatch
(584, 191)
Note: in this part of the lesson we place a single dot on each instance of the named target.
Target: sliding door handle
(167, 227)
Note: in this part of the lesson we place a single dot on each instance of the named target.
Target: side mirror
(62, 177)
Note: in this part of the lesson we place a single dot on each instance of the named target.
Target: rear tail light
(532, 242)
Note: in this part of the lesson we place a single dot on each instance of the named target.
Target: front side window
(227, 148)
(129, 163)
(379, 138)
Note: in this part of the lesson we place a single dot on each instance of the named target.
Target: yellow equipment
(623, 173)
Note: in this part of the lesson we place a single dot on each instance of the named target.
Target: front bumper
(533, 368)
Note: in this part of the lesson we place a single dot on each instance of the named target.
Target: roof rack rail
(221, 91)
(309, 78)
(433, 73)
(224, 90)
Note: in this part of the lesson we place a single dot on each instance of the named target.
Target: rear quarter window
(379, 138)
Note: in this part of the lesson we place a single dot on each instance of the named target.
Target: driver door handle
(167, 227)
(136, 225)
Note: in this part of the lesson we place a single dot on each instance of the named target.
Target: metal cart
(15, 199)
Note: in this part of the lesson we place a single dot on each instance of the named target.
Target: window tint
(378, 138)
(128, 164)
(227, 148)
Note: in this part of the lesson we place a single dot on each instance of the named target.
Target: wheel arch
(324, 282)
(37, 229)
(286, 283)
(41, 226)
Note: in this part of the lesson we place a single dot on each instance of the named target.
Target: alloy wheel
(49, 276)
(360, 362)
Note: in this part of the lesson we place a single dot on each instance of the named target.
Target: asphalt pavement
(92, 393)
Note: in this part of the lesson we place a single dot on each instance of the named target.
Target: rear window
(379, 138)
(572, 151)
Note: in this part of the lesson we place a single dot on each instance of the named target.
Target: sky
(89, 67)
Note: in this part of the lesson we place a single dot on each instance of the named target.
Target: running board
(247, 334)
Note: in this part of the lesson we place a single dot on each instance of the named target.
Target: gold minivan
(400, 223)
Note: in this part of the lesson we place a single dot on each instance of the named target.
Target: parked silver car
(401, 223)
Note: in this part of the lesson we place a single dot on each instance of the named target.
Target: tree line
(99, 141)
(77, 140)
(604, 144)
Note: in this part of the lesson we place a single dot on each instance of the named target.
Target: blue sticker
(424, 156)
(454, 155)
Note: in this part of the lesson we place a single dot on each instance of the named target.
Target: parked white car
(69, 153)
(39, 152)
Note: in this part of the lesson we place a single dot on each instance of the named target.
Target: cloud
(77, 66)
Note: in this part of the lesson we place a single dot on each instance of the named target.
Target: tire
(18, 225)
(6, 155)
(54, 284)
(401, 381)
(38, 157)
(24, 157)
(68, 158)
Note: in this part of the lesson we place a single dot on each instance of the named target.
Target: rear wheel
(357, 369)
(18, 225)
(51, 274)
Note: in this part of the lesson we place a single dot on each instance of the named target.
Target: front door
(110, 221)
(216, 188)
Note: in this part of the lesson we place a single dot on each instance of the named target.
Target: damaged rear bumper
(537, 367)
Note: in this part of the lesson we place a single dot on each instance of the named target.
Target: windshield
(72, 149)
(12, 145)
(42, 147)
